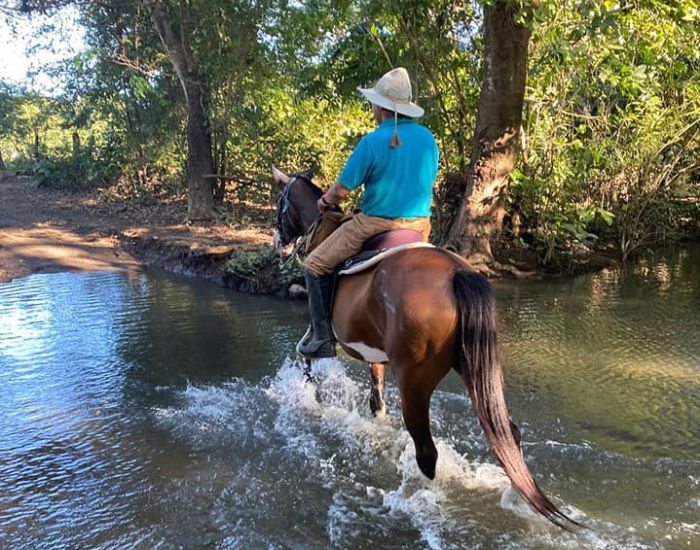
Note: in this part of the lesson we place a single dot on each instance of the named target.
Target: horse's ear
(309, 174)
(281, 178)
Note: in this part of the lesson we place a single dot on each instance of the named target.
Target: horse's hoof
(378, 411)
(427, 460)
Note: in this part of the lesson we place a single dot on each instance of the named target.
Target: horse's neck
(308, 216)
(306, 208)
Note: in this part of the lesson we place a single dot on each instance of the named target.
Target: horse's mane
(310, 184)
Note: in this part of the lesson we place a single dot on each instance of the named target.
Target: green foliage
(80, 170)
(611, 123)
(248, 264)
(29, 126)
(295, 135)
(262, 266)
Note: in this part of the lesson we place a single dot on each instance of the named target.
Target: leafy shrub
(263, 269)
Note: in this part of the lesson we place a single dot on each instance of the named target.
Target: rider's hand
(323, 205)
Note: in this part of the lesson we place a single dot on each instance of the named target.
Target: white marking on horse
(371, 355)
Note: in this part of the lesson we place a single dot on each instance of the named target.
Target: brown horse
(422, 311)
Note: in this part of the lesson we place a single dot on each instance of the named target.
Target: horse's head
(296, 207)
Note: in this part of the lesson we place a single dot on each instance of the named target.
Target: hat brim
(409, 109)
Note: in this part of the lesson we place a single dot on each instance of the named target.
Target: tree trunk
(2, 162)
(36, 148)
(76, 144)
(200, 197)
(496, 136)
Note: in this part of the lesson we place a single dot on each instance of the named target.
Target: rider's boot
(320, 342)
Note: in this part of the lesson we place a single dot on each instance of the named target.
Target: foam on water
(362, 471)
(208, 414)
(369, 464)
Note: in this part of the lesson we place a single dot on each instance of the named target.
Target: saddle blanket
(365, 260)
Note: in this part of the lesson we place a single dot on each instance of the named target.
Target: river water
(155, 412)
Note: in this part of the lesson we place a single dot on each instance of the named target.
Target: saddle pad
(365, 260)
(390, 239)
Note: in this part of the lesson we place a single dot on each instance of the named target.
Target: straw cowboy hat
(393, 92)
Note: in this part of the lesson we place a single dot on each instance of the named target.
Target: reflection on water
(153, 411)
(615, 354)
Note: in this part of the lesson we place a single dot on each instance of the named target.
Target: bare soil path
(43, 230)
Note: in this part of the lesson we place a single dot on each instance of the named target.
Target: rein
(285, 196)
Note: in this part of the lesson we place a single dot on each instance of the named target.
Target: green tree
(497, 132)
(611, 123)
(8, 119)
(607, 123)
(173, 23)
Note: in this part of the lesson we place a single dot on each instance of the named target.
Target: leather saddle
(378, 247)
(373, 250)
(390, 239)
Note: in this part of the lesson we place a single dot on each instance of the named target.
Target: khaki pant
(347, 240)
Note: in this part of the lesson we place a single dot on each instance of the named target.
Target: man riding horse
(397, 164)
(418, 309)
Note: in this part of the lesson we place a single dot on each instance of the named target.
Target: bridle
(288, 226)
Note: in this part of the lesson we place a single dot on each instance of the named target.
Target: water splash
(368, 465)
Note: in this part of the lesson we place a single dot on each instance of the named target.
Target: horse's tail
(480, 368)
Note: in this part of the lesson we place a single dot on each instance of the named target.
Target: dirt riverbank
(43, 230)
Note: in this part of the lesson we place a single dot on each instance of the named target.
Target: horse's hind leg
(416, 385)
(307, 370)
(376, 398)
(415, 405)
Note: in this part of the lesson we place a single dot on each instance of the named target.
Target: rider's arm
(333, 196)
(353, 174)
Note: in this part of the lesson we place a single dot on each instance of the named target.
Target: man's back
(398, 180)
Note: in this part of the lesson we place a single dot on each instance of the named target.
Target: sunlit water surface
(158, 413)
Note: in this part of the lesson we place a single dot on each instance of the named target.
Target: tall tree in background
(497, 132)
(7, 111)
(200, 196)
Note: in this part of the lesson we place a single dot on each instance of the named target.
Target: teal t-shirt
(398, 180)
